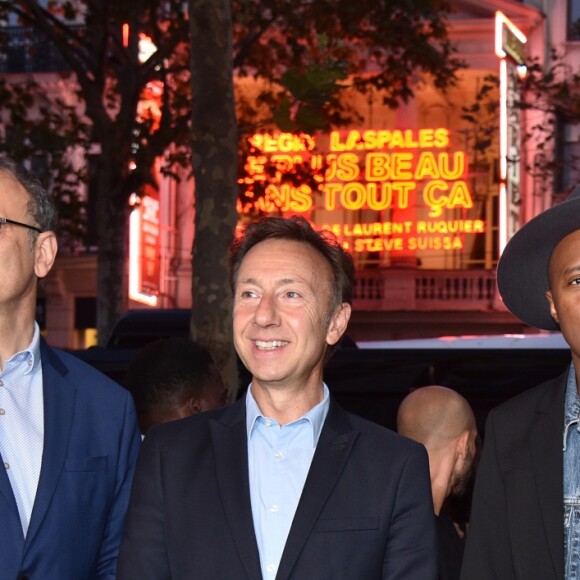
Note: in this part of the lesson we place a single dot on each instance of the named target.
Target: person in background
(283, 483)
(173, 378)
(68, 435)
(525, 517)
(443, 421)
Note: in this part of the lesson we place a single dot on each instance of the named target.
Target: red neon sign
(144, 270)
(383, 171)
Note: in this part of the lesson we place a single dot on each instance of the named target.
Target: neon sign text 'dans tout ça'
(377, 170)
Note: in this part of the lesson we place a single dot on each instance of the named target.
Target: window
(573, 19)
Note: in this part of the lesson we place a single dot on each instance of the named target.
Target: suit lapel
(59, 399)
(229, 439)
(547, 465)
(8, 495)
(334, 446)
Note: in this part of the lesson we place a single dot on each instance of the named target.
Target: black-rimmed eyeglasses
(4, 220)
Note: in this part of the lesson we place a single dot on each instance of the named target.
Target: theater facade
(425, 197)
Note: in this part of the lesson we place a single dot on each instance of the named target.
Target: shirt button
(278, 455)
(7, 466)
(2, 412)
(1, 383)
(29, 363)
(274, 508)
(268, 423)
(271, 568)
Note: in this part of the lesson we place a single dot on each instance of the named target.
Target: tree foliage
(552, 90)
(108, 79)
(311, 50)
(549, 100)
(62, 128)
(482, 117)
(301, 53)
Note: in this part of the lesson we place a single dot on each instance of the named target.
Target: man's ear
(192, 406)
(553, 311)
(45, 249)
(338, 323)
(463, 444)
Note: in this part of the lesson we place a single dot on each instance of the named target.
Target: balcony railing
(423, 290)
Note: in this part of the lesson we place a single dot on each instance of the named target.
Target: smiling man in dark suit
(525, 519)
(284, 484)
(68, 434)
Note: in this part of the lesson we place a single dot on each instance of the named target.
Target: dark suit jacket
(450, 548)
(517, 517)
(365, 512)
(91, 440)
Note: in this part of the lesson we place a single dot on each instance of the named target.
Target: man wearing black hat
(525, 519)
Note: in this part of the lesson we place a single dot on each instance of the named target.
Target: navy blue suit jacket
(91, 441)
(365, 512)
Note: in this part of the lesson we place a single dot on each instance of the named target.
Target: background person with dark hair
(173, 378)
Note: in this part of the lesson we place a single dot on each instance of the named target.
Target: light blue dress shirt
(22, 424)
(279, 457)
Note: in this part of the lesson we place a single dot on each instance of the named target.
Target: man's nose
(266, 313)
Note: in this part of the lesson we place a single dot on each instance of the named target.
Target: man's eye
(247, 294)
(292, 294)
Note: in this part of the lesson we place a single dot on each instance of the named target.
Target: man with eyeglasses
(68, 435)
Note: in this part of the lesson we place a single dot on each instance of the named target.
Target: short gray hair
(41, 207)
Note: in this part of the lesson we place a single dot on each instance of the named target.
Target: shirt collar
(315, 416)
(571, 404)
(30, 355)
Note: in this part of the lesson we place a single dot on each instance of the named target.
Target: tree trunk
(214, 146)
(112, 228)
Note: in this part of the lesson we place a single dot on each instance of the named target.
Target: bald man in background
(442, 420)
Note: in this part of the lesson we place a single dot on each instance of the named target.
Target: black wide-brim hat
(522, 271)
